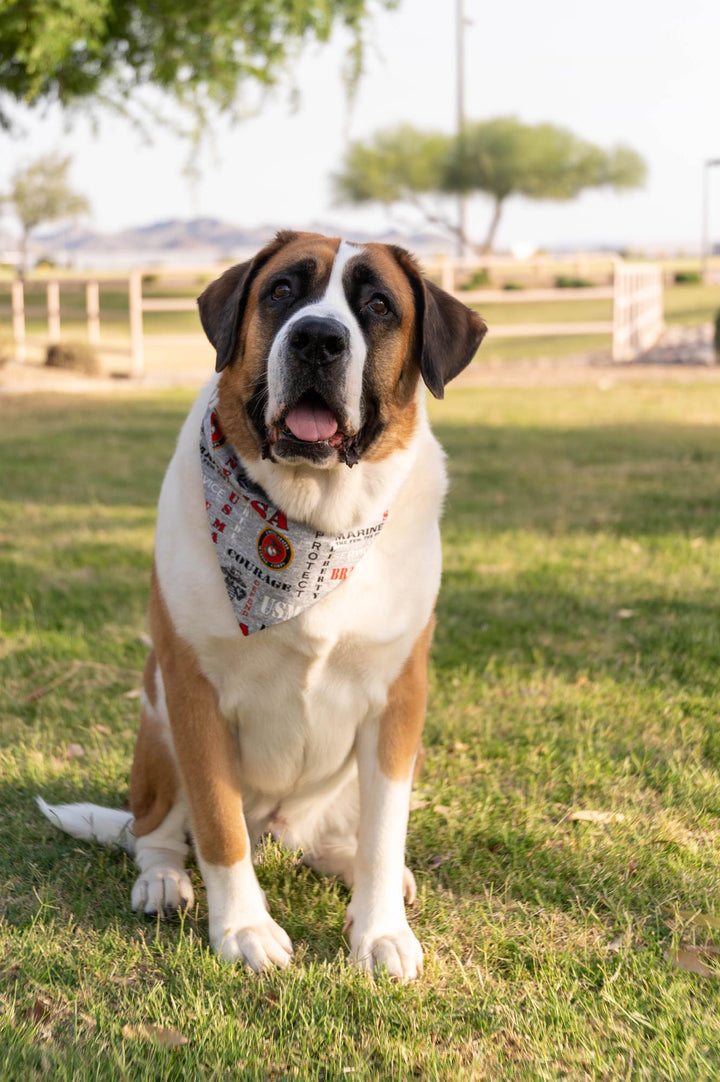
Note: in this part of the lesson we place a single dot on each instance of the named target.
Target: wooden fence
(52, 313)
(635, 289)
(637, 310)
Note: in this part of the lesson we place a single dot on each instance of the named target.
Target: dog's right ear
(222, 304)
(448, 332)
(221, 308)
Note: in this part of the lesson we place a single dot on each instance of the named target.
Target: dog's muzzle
(313, 424)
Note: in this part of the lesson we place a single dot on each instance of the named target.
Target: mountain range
(209, 238)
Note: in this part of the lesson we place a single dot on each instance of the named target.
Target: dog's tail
(91, 823)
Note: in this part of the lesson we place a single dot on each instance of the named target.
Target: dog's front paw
(162, 889)
(260, 944)
(397, 952)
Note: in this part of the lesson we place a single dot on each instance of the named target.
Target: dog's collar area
(273, 567)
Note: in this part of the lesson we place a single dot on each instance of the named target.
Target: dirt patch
(32, 376)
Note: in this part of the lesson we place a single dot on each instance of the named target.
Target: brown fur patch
(149, 686)
(393, 368)
(206, 752)
(153, 779)
(402, 720)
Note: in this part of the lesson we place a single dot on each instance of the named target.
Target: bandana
(273, 567)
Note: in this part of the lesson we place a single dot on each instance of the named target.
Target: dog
(297, 565)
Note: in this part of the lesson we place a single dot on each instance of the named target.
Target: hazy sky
(634, 71)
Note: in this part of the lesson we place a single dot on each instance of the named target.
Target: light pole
(460, 100)
(705, 242)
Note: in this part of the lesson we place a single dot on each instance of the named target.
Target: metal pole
(705, 240)
(705, 222)
(460, 91)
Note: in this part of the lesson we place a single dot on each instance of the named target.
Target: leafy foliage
(55, 50)
(40, 192)
(500, 157)
(394, 166)
(504, 157)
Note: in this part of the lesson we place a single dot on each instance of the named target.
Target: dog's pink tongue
(310, 422)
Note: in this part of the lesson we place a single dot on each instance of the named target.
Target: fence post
(92, 308)
(137, 365)
(18, 320)
(447, 276)
(637, 310)
(53, 311)
(618, 336)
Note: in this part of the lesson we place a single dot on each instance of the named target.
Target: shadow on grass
(84, 451)
(626, 480)
(52, 875)
(636, 479)
(528, 624)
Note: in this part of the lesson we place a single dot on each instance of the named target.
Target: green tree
(500, 157)
(40, 192)
(88, 51)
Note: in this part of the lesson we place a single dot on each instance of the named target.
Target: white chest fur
(298, 691)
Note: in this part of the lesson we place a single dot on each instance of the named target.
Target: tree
(396, 165)
(501, 157)
(40, 192)
(89, 51)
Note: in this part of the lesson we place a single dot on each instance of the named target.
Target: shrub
(687, 278)
(74, 356)
(513, 285)
(569, 281)
(478, 279)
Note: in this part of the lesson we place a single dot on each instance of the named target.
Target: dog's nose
(319, 340)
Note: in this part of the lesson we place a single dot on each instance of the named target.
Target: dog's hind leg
(159, 809)
(332, 849)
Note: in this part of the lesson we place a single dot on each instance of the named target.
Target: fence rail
(636, 291)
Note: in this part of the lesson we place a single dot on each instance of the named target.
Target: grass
(538, 347)
(574, 668)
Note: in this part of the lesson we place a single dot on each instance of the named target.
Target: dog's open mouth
(312, 421)
(310, 430)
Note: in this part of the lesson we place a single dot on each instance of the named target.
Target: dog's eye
(378, 305)
(281, 290)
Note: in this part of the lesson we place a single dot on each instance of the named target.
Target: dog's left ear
(449, 333)
(222, 304)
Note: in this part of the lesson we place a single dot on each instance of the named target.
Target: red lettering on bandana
(278, 520)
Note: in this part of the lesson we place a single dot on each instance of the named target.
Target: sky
(632, 71)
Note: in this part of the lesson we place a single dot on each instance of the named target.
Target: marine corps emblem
(274, 550)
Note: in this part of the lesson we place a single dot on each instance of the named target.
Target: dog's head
(321, 344)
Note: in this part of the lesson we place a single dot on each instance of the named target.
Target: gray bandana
(273, 568)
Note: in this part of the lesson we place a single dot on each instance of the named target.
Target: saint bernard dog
(297, 564)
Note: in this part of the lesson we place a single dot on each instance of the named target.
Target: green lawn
(575, 669)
